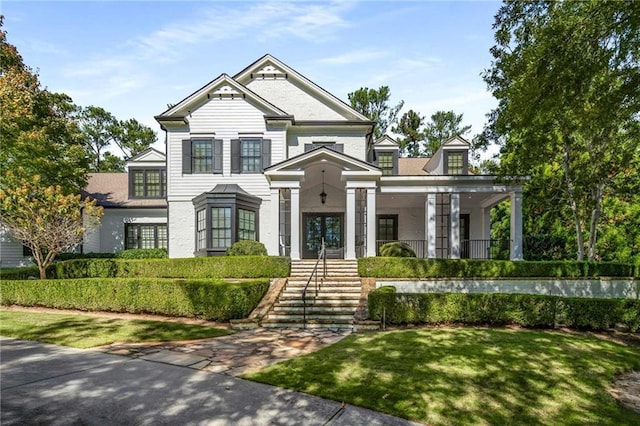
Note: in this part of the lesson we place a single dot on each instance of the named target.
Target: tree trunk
(572, 200)
(595, 218)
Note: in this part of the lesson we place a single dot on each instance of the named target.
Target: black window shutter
(235, 155)
(395, 162)
(339, 147)
(266, 153)
(186, 156)
(217, 156)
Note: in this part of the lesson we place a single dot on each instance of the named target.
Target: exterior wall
(354, 140)
(11, 252)
(289, 97)
(225, 119)
(111, 231)
(181, 225)
(604, 288)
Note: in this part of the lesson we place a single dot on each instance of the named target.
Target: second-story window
(251, 155)
(201, 156)
(455, 163)
(148, 183)
(385, 162)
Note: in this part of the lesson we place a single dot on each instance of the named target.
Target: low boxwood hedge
(398, 267)
(196, 267)
(208, 299)
(526, 310)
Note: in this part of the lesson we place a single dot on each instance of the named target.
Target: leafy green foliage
(397, 249)
(527, 310)
(45, 219)
(208, 299)
(390, 267)
(374, 104)
(410, 127)
(443, 125)
(198, 267)
(247, 248)
(155, 253)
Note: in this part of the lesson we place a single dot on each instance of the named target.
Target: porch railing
(321, 256)
(469, 249)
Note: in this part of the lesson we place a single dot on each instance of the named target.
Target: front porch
(324, 194)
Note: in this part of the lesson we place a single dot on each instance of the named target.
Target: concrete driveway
(54, 385)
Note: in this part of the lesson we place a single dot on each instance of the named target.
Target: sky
(135, 58)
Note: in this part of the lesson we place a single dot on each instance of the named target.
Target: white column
(350, 248)
(273, 243)
(371, 222)
(295, 223)
(516, 225)
(454, 228)
(430, 225)
(486, 223)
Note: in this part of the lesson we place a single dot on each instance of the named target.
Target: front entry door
(322, 225)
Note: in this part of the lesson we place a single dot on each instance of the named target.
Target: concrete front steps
(333, 304)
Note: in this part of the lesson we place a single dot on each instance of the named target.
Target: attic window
(147, 183)
(456, 163)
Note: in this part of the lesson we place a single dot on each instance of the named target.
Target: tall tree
(45, 219)
(375, 105)
(410, 127)
(443, 125)
(37, 127)
(567, 80)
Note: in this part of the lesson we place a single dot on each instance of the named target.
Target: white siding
(354, 140)
(11, 252)
(181, 229)
(224, 119)
(290, 98)
(268, 233)
(111, 231)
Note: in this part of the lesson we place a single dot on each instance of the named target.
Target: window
(388, 227)
(148, 183)
(145, 236)
(251, 155)
(221, 227)
(455, 164)
(246, 224)
(201, 229)
(224, 215)
(201, 156)
(385, 162)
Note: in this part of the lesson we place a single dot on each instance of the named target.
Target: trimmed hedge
(211, 300)
(395, 267)
(21, 273)
(247, 248)
(196, 267)
(526, 310)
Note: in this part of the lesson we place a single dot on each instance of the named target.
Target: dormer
(386, 151)
(452, 158)
(147, 175)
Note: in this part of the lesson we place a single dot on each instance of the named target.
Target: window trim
(395, 225)
(236, 155)
(163, 182)
(216, 150)
(127, 226)
(465, 161)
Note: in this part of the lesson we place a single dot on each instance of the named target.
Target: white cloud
(354, 57)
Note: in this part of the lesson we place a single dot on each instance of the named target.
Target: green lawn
(468, 376)
(83, 331)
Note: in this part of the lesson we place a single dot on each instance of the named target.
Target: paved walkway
(234, 354)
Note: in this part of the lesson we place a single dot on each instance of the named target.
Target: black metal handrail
(321, 256)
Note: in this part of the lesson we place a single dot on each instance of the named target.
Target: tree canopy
(567, 81)
(374, 104)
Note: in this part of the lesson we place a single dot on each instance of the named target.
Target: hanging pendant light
(323, 195)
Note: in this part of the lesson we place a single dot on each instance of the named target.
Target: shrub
(526, 310)
(391, 267)
(212, 300)
(195, 267)
(247, 248)
(68, 256)
(22, 273)
(154, 253)
(397, 249)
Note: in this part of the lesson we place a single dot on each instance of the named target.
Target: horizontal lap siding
(293, 100)
(224, 119)
(354, 141)
(11, 252)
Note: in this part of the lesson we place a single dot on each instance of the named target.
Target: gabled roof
(456, 140)
(222, 86)
(112, 190)
(386, 141)
(270, 66)
(412, 166)
(148, 155)
(322, 153)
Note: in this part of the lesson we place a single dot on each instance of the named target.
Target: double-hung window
(142, 236)
(201, 155)
(147, 183)
(250, 155)
(455, 163)
(385, 162)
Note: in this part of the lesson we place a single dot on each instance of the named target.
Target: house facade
(269, 155)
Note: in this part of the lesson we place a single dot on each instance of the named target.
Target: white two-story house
(269, 155)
